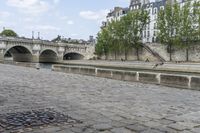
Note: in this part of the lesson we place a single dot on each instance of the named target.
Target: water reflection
(45, 65)
(28, 64)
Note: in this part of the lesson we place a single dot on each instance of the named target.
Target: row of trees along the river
(178, 26)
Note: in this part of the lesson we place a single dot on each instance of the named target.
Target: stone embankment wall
(131, 55)
(178, 54)
(172, 80)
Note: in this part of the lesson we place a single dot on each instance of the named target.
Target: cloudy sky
(69, 18)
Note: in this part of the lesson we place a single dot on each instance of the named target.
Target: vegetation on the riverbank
(177, 27)
(123, 34)
(8, 33)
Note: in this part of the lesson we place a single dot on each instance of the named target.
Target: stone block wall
(132, 56)
(172, 80)
(178, 54)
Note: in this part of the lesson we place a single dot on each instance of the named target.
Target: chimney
(32, 34)
(38, 35)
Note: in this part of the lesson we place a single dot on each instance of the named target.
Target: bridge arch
(18, 53)
(48, 56)
(73, 56)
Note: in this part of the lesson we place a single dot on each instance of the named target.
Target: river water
(40, 65)
(45, 65)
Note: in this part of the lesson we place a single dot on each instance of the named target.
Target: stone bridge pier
(29, 50)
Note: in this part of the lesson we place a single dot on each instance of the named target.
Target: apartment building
(153, 7)
(115, 14)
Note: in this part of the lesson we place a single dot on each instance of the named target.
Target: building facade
(150, 31)
(115, 15)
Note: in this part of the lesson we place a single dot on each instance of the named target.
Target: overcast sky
(69, 18)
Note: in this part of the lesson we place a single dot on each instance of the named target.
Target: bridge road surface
(104, 105)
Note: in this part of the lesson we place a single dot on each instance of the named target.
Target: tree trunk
(137, 52)
(115, 55)
(170, 52)
(106, 56)
(125, 54)
(187, 54)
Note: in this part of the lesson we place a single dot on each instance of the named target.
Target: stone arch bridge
(33, 50)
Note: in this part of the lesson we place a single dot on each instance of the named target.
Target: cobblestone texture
(104, 105)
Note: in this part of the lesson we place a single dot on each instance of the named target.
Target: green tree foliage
(115, 35)
(196, 20)
(186, 27)
(168, 26)
(135, 22)
(57, 39)
(102, 46)
(179, 26)
(8, 33)
(123, 34)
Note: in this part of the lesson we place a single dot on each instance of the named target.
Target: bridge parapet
(36, 47)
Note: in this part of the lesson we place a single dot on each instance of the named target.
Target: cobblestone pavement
(103, 105)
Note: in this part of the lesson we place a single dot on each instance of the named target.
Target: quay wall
(164, 79)
(178, 54)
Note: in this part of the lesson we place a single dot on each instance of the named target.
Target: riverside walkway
(100, 105)
(169, 67)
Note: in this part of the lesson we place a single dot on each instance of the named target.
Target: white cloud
(70, 22)
(92, 15)
(33, 7)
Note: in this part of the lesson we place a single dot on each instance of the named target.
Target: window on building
(155, 26)
(148, 34)
(155, 10)
(154, 33)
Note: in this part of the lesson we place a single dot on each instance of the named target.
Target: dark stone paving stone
(178, 127)
(152, 131)
(137, 127)
(64, 131)
(165, 129)
(120, 130)
(102, 126)
(166, 122)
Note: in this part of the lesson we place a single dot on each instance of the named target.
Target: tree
(57, 39)
(115, 35)
(186, 28)
(123, 34)
(168, 26)
(102, 46)
(196, 20)
(8, 33)
(135, 22)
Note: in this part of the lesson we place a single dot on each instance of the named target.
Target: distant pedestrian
(122, 60)
(158, 64)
